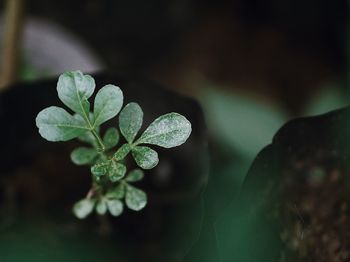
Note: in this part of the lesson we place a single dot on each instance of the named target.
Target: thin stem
(99, 140)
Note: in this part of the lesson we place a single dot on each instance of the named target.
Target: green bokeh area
(40, 241)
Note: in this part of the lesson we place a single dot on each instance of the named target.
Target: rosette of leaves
(112, 185)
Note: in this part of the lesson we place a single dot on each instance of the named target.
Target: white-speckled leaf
(56, 124)
(101, 207)
(111, 138)
(145, 157)
(83, 155)
(116, 171)
(83, 208)
(122, 152)
(108, 102)
(115, 207)
(135, 198)
(130, 121)
(167, 131)
(74, 89)
(101, 168)
(134, 175)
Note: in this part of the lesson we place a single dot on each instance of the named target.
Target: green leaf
(115, 207)
(83, 155)
(167, 131)
(130, 121)
(56, 124)
(116, 193)
(101, 168)
(108, 102)
(101, 207)
(135, 198)
(74, 89)
(134, 175)
(83, 208)
(145, 157)
(116, 171)
(111, 138)
(89, 138)
(122, 152)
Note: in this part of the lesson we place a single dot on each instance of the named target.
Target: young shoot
(112, 184)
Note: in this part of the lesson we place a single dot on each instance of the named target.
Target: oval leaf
(108, 102)
(116, 193)
(56, 124)
(134, 175)
(101, 207)
(83, 155)
(83, 208)
(74, 89)
(101, 168)
(122, 152)
(135, 198)
(111, 138)
(115, 207)
(116, 171)
(130, 121)
(167, 131)
(145, 157)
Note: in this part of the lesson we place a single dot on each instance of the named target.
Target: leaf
(145, 157)
(83, 208)
(101, 168)
(135, 198)
(130, 121)
(111, 138)
(122, 152)
(134, 175)
(101, 207)
(116, 193)
(83, 155)
(167, 131)
(108, 102)
(74, 89)
(115, 207)
(56, 124)
(116, 171)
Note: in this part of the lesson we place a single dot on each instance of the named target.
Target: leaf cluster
(105, 154)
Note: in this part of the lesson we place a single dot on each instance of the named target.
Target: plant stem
(102, 147)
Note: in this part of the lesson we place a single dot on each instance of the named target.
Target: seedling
(112, 183)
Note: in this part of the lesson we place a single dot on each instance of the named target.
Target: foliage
(111, 182)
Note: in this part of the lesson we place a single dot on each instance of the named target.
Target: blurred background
(252, 65)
